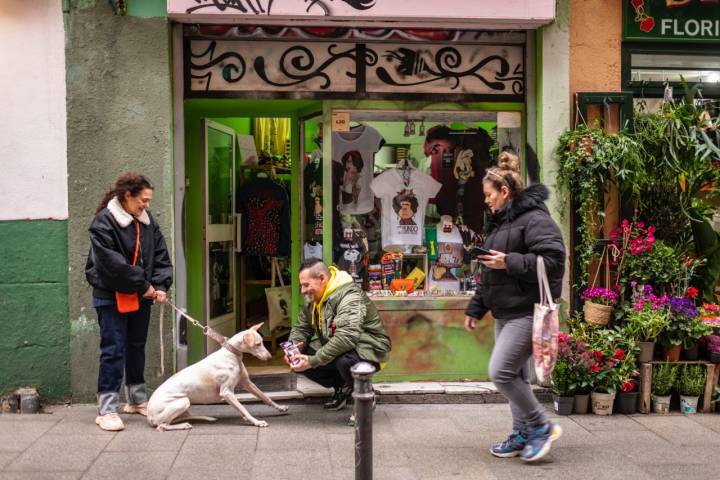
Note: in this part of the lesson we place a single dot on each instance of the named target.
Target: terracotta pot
(582, 401)
(672, 354)
(602, 403)
(647, 350)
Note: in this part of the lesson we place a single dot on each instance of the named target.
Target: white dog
(211, 380)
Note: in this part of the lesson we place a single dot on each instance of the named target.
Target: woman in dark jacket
(518, 230)
(114, 266)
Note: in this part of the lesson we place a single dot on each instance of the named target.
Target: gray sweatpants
(508, 371)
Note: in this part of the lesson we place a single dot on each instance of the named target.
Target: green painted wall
(35, 339)
(119, 118)
(147, 8)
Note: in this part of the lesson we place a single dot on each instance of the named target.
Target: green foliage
(691, 380)
(663, 379)
(588, 159)
(661, 266)
(562, 378)
(646, 324)
(707, 246)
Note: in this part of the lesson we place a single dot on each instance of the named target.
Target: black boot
(339, 399)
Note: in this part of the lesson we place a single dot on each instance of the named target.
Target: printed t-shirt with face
(355, 152)
(351, 254)
(403, 206)
(312, 180)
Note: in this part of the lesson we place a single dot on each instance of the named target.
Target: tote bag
(278, 298)
(545, 327)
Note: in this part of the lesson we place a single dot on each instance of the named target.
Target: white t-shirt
(355, 152)
(403, 206)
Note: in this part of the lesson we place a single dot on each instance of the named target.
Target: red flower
(628, 386)
(692, 292)
(598, 356)
(619, 354)
(595, 368)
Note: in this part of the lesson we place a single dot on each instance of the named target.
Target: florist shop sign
(672, 20)
(516, 14)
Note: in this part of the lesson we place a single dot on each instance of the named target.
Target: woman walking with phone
(519, 229)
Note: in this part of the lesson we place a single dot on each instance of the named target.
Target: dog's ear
(249, 338)
(257, 326)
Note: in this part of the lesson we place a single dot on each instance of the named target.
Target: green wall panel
(35, 339)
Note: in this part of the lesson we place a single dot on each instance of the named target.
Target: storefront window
(408, 199)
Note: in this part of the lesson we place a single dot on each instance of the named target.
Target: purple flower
(684, 307)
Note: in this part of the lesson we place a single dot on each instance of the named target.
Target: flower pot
(672, 354)
(688, 404)
(626, 403)
(580, 406)
(647, 350)
(602, 403)
(661, 404)
(563, 405)
(691, 353)
(714, 357)
(596, 313)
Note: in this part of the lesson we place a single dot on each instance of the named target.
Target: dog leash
(219, 338)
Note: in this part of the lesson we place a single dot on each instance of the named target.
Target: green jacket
(348, 320)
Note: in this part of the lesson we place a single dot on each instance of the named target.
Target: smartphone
(477, 251)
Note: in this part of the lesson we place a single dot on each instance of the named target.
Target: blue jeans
(122, 352)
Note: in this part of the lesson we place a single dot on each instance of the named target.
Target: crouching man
(338, 328)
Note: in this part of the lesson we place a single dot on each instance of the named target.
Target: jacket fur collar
(122, 217)
(532, 198)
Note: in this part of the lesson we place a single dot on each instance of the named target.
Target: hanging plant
(589, 159)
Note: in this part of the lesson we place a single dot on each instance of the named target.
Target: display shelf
(713, 374)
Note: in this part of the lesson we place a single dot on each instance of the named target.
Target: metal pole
(363, 395)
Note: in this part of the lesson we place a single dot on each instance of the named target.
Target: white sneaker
(110, 422)
(139, 408)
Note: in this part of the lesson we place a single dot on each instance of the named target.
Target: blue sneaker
(511, 447)
(540, 440)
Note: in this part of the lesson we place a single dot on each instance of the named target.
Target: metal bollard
(363, 395)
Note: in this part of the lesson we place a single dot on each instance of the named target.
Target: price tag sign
(341, 121)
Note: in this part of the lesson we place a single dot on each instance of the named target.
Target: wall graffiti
(265, 7)
(242, 68)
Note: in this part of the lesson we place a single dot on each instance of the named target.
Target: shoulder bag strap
(137, 242)
(543, 283)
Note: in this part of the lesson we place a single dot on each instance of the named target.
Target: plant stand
(645, 404)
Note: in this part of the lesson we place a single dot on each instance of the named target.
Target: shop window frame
(656, 89)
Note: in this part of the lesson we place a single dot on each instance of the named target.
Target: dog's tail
(194, 417)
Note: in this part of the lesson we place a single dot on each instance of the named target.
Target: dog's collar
(234, 350)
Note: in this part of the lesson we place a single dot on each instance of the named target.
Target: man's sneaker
(139, 408)
(540, 441)
(340, 399)
(110, 422)
(511, 447)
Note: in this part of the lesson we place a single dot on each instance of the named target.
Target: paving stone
(383, 473)
(386, 451)
(433, 463)
(6, 458)
(276, 396)
(681, 470)
(147, 441)
(607, 422)
(679, 429)
(61, 452)
(213, 451)
(708, 420)
(145, 465)
(295, 458)
(40, 475)
(218, 472)
(310, 389)
(17, 434)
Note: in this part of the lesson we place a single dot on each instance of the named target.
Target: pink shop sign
(449, 13)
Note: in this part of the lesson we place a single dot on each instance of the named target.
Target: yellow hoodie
(338, 278)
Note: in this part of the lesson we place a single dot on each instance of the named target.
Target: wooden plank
(645, 387)
(713, 372)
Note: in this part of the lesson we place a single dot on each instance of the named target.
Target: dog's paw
(261, 423)
(282, 408)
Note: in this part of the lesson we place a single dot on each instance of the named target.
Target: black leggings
(335, 374)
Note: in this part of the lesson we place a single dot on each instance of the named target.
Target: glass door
(219, 229)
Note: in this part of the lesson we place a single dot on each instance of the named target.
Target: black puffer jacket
(112, 245)
(523, 230)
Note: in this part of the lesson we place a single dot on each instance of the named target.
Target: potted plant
(608, 369)
(627, 397)
(599, 303)
(663, 379)
(647, 318)
(563, 396)
(577, 355)
(712, 345)
(691, 384)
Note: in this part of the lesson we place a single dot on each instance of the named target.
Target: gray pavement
(411, 442)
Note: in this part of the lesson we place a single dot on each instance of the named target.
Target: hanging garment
(355, 152)
(312, 196)
(265, 206)
(271, 135)
(403, 206)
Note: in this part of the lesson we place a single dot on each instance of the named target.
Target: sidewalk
(411, 442)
